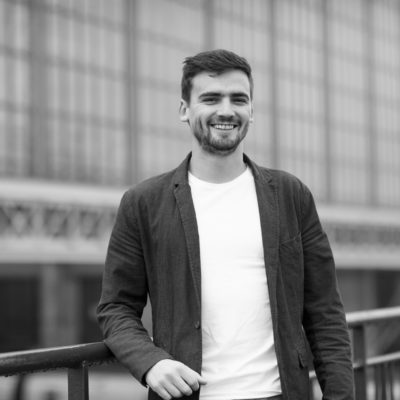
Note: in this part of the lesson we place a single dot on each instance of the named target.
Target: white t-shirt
(239, 359)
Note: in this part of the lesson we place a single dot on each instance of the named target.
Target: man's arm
(123, 298)
(124, 295)
(324, 318)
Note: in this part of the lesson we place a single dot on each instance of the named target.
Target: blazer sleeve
(324, 319)
(124, 295)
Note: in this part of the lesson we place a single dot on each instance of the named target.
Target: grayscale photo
(200, 199)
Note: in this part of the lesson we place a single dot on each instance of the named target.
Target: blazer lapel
(267, 197)
(185, 205)
(269, 216)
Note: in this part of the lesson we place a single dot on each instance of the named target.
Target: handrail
(52, 358)
(376, 360)
(78, 358)
(357, 318)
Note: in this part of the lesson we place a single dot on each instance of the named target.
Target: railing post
(78, 388)
(359, 351)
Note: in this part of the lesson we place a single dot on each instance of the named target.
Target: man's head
(217, 100)
(214, 62)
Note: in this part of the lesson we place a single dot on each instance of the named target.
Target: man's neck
(216, 168)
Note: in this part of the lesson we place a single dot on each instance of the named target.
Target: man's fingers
(192, 378)
(170, 378)
(201, 380)
(194, 384)
(183, 386)
(172, 390)
(163, 393)
(167, 390)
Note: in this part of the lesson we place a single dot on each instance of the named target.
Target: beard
(222, 145)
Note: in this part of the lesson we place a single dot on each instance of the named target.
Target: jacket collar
(181, 172)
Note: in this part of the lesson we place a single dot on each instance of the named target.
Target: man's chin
(219, 150)
(218, 146)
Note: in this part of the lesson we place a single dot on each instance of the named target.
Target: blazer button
(197, 324)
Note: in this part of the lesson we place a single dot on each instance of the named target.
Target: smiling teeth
(225, 127)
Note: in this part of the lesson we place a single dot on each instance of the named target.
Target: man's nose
(225, 108)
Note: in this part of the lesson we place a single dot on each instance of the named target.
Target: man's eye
(240, 100)
(209, 100)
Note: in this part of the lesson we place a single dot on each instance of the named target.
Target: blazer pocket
(292, 246)
(291, 261)
(303, 357)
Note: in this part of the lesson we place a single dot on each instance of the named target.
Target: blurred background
(89, 97)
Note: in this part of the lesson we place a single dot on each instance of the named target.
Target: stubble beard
(218, 146)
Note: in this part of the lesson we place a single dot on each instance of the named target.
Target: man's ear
(184, 111)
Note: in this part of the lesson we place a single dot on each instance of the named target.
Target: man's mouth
(224, 127)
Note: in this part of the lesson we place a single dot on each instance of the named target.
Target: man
(233, 257)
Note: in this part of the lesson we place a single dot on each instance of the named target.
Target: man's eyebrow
(219, 94)
(240, 94)
(210, 94)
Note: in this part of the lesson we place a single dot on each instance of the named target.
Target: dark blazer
(154, 250)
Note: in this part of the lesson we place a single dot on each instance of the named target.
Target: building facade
(89, 97)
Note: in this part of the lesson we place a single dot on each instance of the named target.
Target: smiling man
(234, 260)
(219, 110)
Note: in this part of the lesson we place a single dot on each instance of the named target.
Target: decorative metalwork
(363, 235)
(72, 223)
(56, 222)
(22, 220)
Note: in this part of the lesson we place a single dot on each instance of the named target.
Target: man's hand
(170, 379)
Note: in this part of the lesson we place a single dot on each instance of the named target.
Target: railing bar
(78, 358)
(376, 360)
(61, 357)
(384, 382)
(365, 317)
(388, 383)
(376, 382)
(391, 380)
(359, 351)
(380, 386)
(78, 387)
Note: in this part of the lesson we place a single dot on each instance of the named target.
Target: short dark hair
(214, 61)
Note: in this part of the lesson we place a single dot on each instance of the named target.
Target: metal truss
(71, 224)
(62, 224)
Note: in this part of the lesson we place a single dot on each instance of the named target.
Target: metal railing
(76, 359)
(376, 377)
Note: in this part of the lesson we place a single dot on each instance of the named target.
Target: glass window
(21, 316)
(21, 26)
(3, 142)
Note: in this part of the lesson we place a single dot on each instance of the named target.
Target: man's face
(220, 110)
